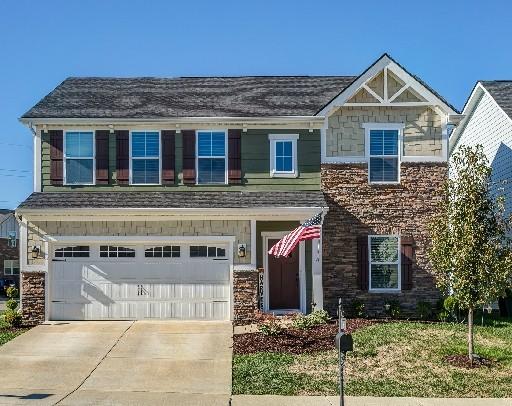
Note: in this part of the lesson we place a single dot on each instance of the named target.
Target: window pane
(145, 171)
(218, 144)
(138, 144)
(384, 249)
(152, 144)
(79, 171)
(376, 142)
(279, 164)
(287, 148)
(221, 252)
(198, 251)
(390, 142)
(279, 148)
(145, 144)
(383, 169)
(384, 277)
(79, 144)
(204, 144)
(212, 251)
(211, 170)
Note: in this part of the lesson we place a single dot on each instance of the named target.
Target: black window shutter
(234, 157)
(123, 158)
(168, 157)
(407, 252)
(189, 156)
(363, 266)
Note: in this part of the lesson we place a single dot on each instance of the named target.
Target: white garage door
(122, 281)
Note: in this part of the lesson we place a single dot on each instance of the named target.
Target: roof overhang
(158, 214)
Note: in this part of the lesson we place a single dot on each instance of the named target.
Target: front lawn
(390, 359)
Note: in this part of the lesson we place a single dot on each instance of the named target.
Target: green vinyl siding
(255, 157)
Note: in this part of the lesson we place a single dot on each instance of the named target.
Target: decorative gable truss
(402, 99)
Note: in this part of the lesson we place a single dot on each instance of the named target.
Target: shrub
(268, 324)
(424, 310)
(12, 292)
(443, 316)
(11, 304)
(12, 317)
(315, 318)
(358, 308)
(392, 308)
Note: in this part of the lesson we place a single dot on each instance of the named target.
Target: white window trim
(11, 261)
(273, 138)
(226, 154)
(399, 263)
(383, 126)
(159, 157)
(65, 157)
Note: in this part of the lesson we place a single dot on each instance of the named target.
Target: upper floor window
(283, 155)
(384, 162)
(79, 158)
(145, 157)
(211, 157)
(11, 267)
(384, 262)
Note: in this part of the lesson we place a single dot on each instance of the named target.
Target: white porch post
(316, 258)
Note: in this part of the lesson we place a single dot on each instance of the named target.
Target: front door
(283, 280)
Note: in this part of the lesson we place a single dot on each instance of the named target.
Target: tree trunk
(470, 335)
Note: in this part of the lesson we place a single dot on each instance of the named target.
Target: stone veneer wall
(241, 229)
(345, 135)
(33, 297)
(245, 296)
(357, 208)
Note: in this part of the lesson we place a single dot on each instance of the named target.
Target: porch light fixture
(35, 251)
(242, 250)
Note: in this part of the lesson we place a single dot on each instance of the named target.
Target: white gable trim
(385, 64)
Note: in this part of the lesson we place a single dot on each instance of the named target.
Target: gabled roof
(501, 92)
(153, 98)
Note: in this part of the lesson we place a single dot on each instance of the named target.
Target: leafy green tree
(470, 251)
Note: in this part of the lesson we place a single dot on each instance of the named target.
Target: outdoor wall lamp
(35, 251)
(242, 249)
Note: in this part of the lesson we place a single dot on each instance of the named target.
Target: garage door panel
(138, 288)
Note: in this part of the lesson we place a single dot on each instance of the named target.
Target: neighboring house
(488, 122)
(9, 250)
(159, 198)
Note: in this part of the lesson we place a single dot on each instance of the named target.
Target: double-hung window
(283, 155)
(11, 267)
(384, 262)
(79, 158)
(211, 157)
(145, 157)
(384, 162)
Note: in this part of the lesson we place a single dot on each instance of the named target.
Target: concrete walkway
(118, 363)
(247, 400)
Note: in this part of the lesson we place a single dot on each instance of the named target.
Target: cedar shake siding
(248, 162)
(358, 209)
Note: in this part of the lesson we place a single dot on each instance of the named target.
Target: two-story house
(159, 198)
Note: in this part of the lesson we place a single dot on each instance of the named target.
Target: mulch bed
(296, 341)
(462, 361)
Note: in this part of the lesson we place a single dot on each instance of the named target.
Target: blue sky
(449, 44)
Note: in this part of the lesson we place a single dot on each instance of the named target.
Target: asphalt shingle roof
(172, 200)
(501, 91)
(150, 98)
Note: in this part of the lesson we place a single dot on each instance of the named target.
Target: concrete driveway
(119, 363)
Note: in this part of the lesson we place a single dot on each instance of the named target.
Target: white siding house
(487, 122)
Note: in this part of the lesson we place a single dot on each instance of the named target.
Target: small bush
(424, 310)
(450, 304)
(268, 324)
(358, 308)
(313, 319)
(12, 317)
(11, 304)
(392, 308)
(443, 316)
(12, 292)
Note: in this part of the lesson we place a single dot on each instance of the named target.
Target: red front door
(283, 280)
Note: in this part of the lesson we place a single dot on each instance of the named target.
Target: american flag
(308, 230)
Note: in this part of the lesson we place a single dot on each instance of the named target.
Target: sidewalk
(249, 400)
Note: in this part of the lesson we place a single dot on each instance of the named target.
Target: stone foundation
(245, 296)
(33, 298)
(357, 208)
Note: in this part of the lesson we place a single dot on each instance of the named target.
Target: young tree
(470, 251)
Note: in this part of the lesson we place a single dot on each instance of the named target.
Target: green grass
(392, 359)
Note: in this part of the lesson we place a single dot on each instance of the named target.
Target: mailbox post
(344, 343)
